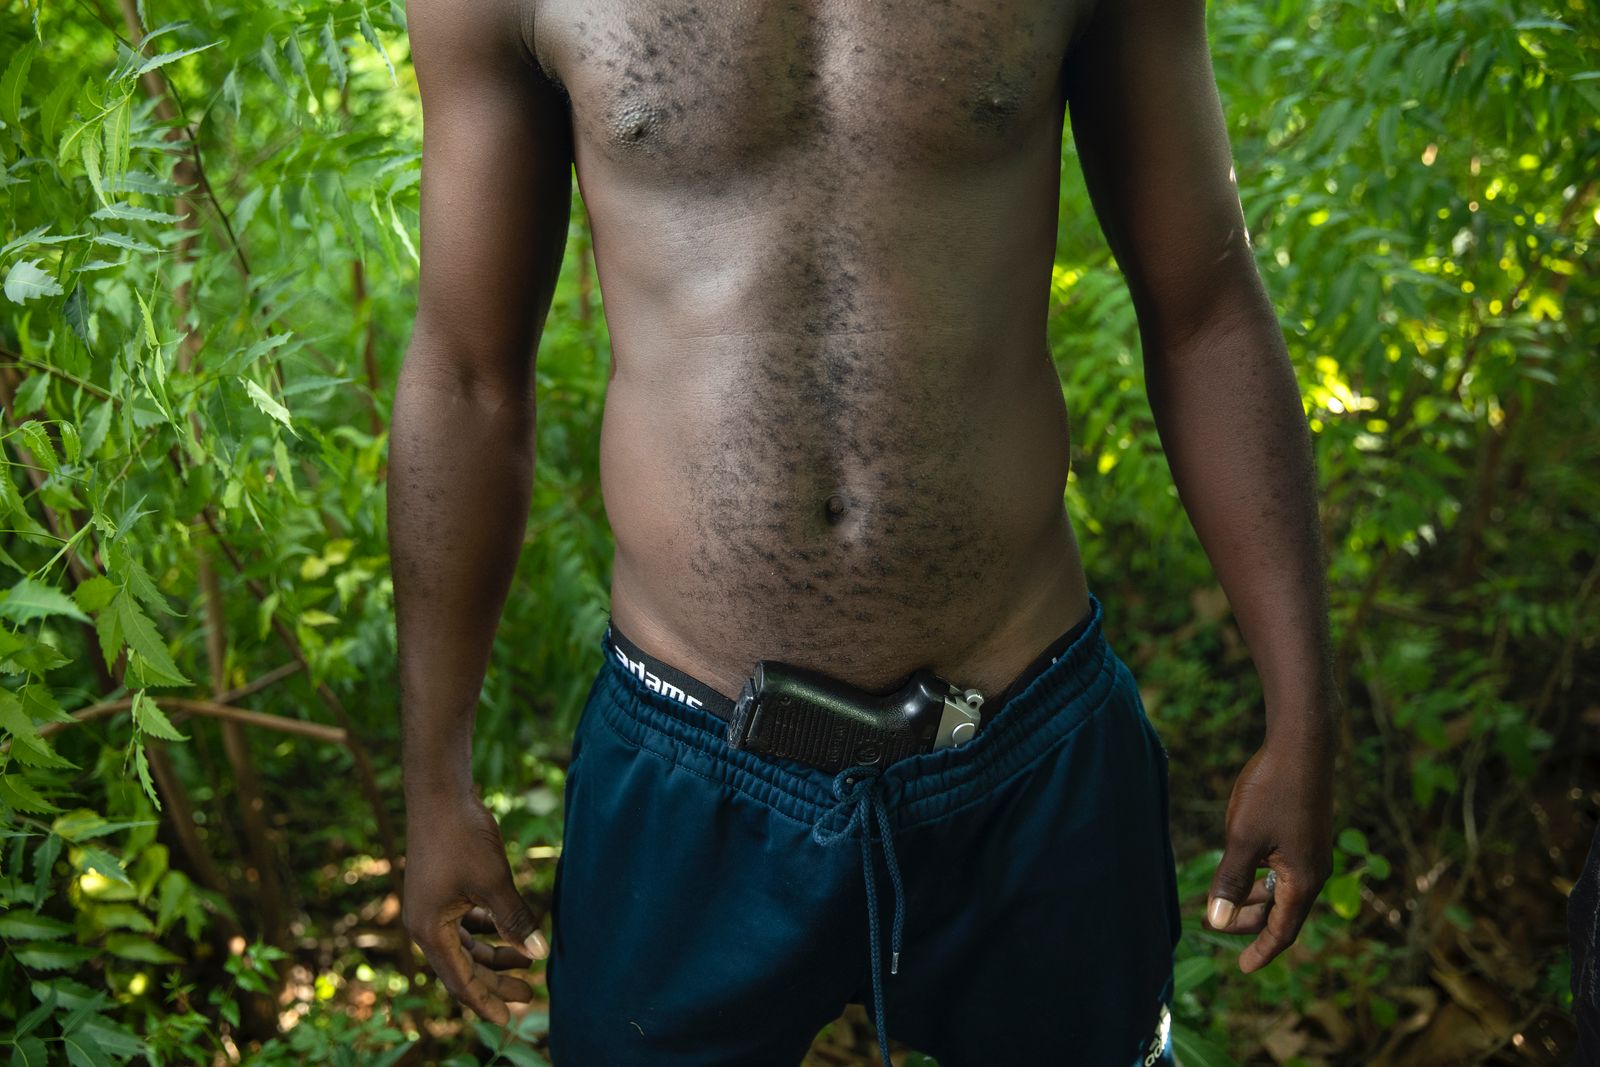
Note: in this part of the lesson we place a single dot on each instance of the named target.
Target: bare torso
(834, 435)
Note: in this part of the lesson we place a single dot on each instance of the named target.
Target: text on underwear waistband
(685, 689)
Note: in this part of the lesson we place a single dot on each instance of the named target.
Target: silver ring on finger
(1272, 885)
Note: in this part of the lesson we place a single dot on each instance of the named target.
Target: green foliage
(207, 275)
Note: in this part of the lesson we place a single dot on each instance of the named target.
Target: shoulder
(446, 32)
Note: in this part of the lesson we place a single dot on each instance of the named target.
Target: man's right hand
(458, 882)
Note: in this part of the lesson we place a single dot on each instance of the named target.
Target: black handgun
(803, 715)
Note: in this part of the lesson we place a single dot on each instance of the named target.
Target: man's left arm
(1154, 148)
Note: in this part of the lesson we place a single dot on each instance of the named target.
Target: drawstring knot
(860, 805)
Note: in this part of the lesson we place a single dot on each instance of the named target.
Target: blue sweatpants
(714, 907)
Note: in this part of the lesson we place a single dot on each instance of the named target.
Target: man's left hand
(1280, 815)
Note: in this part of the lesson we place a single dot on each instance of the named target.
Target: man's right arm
(495, 193)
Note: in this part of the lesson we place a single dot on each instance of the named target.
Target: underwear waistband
(661, 677)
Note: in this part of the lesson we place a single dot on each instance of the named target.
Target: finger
(495, 957)
(480, 995)
(1230, 886)
(1251, 916)
(1251, 919)
(478, 920)
(514, 920)
(503, 987)
(1288, 913)
(460, 976)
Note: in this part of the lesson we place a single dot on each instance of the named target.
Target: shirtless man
(834, 438)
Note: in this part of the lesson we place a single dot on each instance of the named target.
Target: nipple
(833, 509)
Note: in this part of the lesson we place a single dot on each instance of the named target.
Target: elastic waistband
(642, 707)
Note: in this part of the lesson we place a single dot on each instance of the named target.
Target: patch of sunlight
(1545, 307)
(1527, 161)
(1495, 307)
(1318, 217)
(1333, 394)
(94, 884)
(1061, 280)
(1106, 461)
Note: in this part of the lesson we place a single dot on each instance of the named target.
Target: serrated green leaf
(230, 92)
(40, 703)
(133, 947)
(135, 214)
(333, 52)
(269, 62)
(371, 36)
(403, 233)
(37, 440)
(95, 428)
(55, 109)
(297, 59)
(281, 464)
(25, 281)
(95, 593)
(89, 154)
(20, 795)
(150, 338)
(85, 824)
(71, 444)
(21, 925)
(43, 1010)
(157, 62)
(152, 720)
(104, 863)
(108, 627)
(30, 599)
(264, 400)
(14, 81)
(31, 396)
(51, 956)
(29, 1052)
(141, 764)
(36, 752)
(118, 240)
(143, 638)
(112, 1037)
(83, 1052)
(140, 182)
